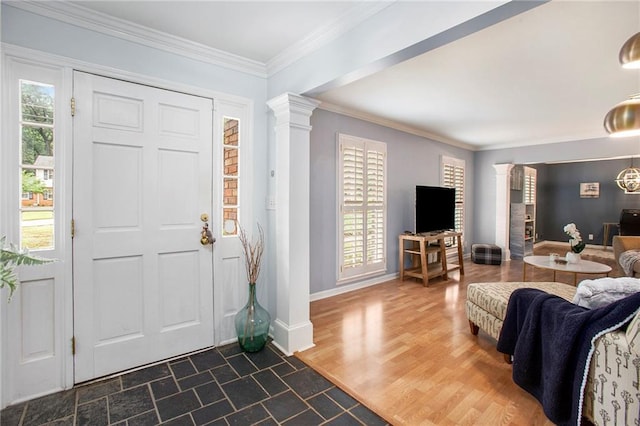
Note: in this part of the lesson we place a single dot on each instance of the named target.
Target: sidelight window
(37, 124)
(230, 179)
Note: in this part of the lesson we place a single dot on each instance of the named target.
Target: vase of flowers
(575, 242)
(252, 322)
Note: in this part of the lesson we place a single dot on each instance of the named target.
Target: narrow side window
(230, 178)
(37, 121)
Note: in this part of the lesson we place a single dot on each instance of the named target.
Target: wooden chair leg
(474, 328)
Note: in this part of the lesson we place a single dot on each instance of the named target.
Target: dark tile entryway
(222, 386)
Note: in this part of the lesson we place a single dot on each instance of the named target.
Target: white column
(293, 330)
(503, 204)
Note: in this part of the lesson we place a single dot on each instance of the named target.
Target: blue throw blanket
(551, 341)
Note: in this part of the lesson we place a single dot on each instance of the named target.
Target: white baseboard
(346, 288)
(292, 338)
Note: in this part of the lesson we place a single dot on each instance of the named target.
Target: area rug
(589, 251)
(592, 252)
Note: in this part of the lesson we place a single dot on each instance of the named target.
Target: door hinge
(73, 228)
(73, 107)
(73, 345)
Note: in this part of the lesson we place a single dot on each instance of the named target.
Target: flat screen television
(435, 209)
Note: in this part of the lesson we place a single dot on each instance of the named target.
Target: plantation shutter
(362, 216)
(353, 207)
(453, 177)
(375, 211)
(529, 188)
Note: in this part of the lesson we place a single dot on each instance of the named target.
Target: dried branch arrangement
(252, 253)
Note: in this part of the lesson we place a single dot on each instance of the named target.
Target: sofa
(624, 243)
(612, 392)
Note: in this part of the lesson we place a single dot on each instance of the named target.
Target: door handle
(206, 237)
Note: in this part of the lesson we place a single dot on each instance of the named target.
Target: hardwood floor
(406, 352)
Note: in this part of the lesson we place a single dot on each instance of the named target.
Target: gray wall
(412, 160)
(484, 209)
(559, 199)
(415, 160)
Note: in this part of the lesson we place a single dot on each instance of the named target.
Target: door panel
(179, 303)
(143, 283)
(38, 300)
(118, 282)
(179, 201)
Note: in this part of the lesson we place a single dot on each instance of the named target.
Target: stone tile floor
(221, 386)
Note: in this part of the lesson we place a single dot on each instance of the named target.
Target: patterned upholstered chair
(612, 392)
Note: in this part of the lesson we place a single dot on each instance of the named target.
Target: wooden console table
(420, 246)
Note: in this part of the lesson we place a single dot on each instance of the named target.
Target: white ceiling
(547, 75)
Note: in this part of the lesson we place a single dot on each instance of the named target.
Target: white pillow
(603, 291)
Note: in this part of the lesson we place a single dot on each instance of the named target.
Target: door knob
(206, 237)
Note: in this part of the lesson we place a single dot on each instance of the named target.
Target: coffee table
(582, 267)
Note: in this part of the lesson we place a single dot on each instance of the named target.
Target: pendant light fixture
(624, 119)
(629, 179)
(630, 52)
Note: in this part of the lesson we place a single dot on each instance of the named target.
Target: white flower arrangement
(575, 239)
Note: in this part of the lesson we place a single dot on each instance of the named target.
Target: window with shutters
(453, 177)
(363, 207)
(529, 186)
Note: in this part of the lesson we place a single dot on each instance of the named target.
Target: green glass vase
(252, 324)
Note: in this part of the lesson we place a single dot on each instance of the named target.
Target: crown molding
(325, 34)
(360, 115)
(86, 18)
(31, 56)
(83, 17)
(600, 134)
(371, 118)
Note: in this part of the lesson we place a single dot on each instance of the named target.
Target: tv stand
(420, 247)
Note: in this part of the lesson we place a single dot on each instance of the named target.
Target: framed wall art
(590, 190)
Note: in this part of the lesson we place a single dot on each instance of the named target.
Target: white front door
(142, 177)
